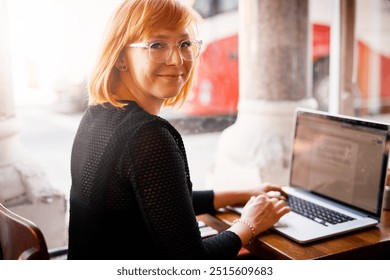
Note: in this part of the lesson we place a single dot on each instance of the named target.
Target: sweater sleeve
(203, 202)
(158, 175)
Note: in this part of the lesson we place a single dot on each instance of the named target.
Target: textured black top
(131, 194)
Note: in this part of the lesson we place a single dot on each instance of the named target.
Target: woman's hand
(259, 214)
(263, 212)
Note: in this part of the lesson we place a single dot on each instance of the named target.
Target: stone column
(24, 188)
(275, 79)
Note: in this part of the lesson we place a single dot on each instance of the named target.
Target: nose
(174, 57)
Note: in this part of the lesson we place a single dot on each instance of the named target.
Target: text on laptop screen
(340, 159)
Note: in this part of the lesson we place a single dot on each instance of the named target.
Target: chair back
(20, 239)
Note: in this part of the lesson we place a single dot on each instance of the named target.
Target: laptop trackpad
(299, 228)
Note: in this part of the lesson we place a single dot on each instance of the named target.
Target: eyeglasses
(160, 51)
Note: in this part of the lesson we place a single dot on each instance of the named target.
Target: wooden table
(372, 243)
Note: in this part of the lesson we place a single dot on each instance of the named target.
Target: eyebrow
(162, 36)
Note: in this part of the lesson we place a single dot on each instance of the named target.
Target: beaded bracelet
(250, 226)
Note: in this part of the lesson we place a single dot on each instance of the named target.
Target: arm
(223, 198)
(159, 176)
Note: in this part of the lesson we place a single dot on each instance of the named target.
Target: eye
(158, 45)
(186, 44)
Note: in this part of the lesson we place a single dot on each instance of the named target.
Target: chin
(170, 94)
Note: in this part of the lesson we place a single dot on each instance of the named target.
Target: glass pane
(215, 95)
(373, 57)
(227, 5)
(320, 21)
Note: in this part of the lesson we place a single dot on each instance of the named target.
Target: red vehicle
(216, 90)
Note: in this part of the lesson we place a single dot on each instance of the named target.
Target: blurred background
(54, 44)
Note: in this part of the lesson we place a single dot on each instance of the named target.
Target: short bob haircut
(136, 20)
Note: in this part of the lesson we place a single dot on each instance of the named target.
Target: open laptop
(338, 168)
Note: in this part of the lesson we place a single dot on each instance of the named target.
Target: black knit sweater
(131, 194)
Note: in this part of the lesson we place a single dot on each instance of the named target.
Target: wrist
(245, 230)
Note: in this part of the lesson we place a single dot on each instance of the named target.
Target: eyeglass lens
(160, 51)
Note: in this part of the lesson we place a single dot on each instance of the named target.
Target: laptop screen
(340, 158)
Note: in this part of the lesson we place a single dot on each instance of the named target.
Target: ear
(120, 64)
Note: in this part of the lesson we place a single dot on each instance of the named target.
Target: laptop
(337, 170)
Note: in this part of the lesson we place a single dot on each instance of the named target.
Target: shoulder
(129, 118)
(140, 127)
(156, 132)
(154, 144)
(130, 125)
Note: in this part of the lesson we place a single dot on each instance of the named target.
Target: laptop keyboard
(315, 212)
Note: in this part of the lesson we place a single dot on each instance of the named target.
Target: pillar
(275, 79)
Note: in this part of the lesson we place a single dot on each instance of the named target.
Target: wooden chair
(21, 239)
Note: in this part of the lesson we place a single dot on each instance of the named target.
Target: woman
(130, 180)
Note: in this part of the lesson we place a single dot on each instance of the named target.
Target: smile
(171, 77)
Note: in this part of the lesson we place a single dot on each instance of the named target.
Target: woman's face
(157, 81)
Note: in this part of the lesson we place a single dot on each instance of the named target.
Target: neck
(123, 92)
